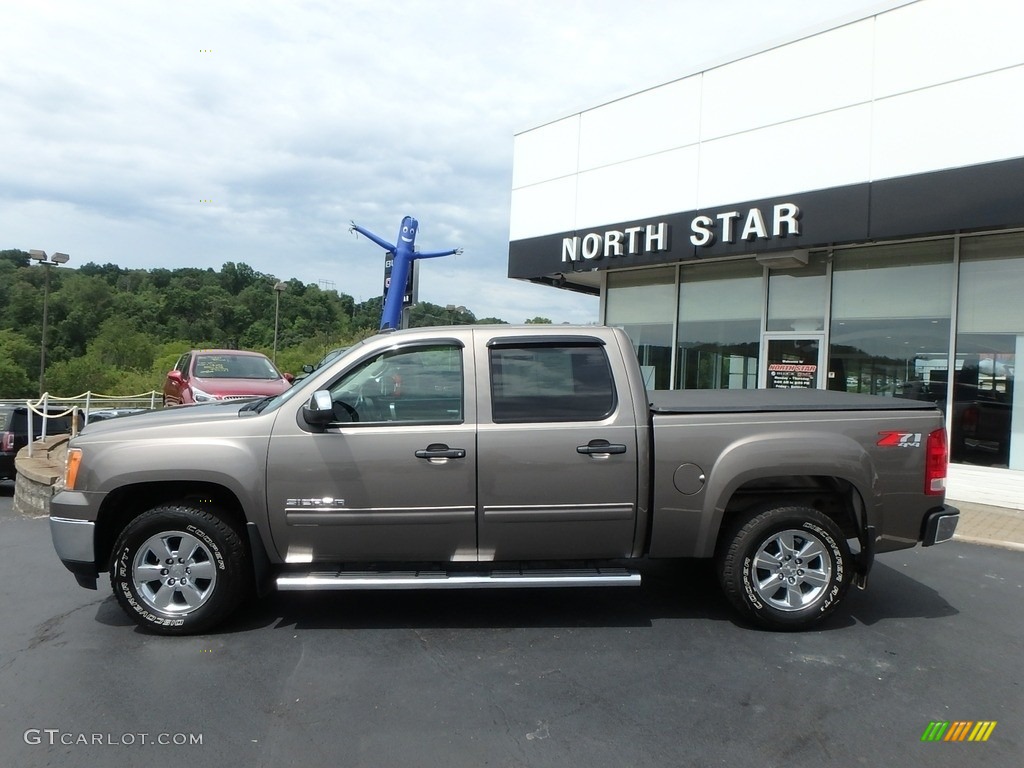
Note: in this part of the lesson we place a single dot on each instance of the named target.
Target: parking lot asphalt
(662, 675)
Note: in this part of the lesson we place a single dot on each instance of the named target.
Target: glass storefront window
(797, 298)
(891, 319)
(643, 302)
(990, 337)
(719, 339)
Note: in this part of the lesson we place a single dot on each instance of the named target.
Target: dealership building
(844, 210)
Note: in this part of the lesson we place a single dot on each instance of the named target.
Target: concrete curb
(985, 524)
(989, 542)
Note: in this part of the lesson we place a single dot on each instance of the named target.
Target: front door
(394, 478)
(793, 361)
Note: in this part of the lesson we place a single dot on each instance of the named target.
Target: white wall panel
(653, 121)
(937, 41)
(985, 485)
(543, 208)
(931, 85)
(821, 73)
(546, 153)
(653, 185)
(962, 123)
(816, 152)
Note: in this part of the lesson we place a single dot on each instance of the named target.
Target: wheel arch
(128, 502)
(828, 472)
(833, 496)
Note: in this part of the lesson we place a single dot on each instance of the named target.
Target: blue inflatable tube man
(403, 253)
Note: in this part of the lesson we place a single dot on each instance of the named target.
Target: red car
(209, 375)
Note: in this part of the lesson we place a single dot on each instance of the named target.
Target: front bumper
(939, 525)
(74, 539)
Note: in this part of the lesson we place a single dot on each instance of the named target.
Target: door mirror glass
(319, 410)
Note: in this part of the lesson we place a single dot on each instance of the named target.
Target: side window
(182, 366)
(550, 382)
(410, 385)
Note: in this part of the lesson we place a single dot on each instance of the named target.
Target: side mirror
(308, 368)
(318, 412)
(289, 378)
(175, 375)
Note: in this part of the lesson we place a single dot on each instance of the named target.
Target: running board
(587, 577)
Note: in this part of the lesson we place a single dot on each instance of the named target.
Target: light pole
(57, 258)
(278, 289)
(454, 309)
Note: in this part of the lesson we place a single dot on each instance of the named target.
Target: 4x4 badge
(900, 440)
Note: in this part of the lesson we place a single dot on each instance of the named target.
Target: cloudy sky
(175, 133)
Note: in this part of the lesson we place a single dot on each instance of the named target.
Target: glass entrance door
(793, 361)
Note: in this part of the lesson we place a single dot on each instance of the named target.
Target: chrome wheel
(791, 570)
(174, 573)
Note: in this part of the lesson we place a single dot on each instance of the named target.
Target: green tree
(14, 382)
(77, 310)
(121, 346)
(538, 321)
(22, 351)
(14, 257)
(424, 314)
(112, 329)
(69, 378)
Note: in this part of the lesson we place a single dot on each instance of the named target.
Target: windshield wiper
(256, 405)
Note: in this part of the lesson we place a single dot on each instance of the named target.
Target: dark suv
(14, 432)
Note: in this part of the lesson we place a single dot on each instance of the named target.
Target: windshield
(330, 356)
(302, 385)
(235, 367)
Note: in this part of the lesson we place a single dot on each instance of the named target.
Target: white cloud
(293, 118)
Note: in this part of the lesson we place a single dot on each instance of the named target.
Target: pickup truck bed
(775, 401)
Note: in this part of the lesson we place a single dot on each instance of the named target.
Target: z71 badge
(900, 440)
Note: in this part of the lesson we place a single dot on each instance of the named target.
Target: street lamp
(278, 289)
(57, 258)
(454, 309)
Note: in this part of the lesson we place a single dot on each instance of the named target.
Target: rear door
(557, 451)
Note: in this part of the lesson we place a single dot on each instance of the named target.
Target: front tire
(786, 568)
(179, 570)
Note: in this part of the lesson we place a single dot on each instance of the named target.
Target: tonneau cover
(774, 400)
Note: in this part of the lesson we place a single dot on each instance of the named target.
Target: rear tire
(179, 570)
(786, 568)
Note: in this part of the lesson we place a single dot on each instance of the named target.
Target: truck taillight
(936, 461)
(6, 441)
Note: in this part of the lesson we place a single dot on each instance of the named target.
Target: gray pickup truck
(498, 456)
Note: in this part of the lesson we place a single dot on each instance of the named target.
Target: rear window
(549, 383)
(15, 420)
(55, 425)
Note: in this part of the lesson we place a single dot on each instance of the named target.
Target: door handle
(600, 447)
(440, 451)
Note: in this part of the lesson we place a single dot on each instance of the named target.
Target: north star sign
(726, 227)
